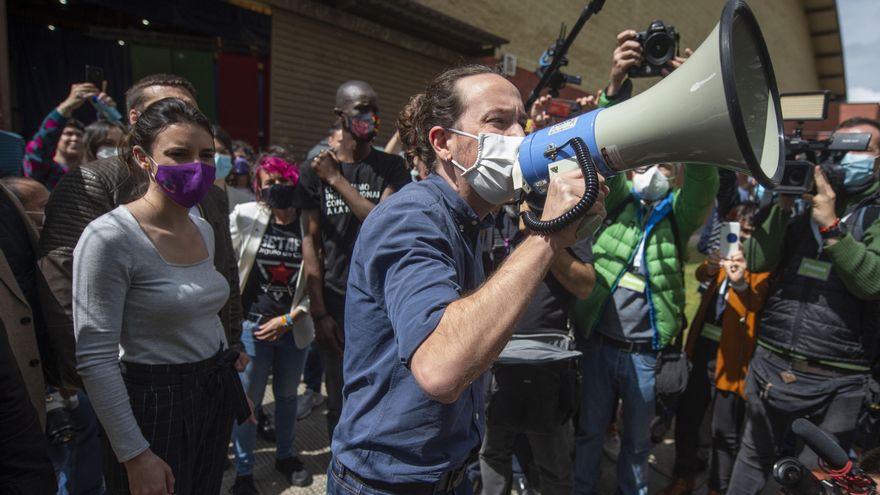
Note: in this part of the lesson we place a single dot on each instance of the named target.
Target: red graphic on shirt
(280, 274)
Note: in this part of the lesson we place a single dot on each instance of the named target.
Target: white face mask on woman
(491, 175)
(651, 185)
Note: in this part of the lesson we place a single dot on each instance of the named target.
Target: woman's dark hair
(222, 136)
(744, 212)
(96, 134)
(238, 144)
(156, 118)
(440, 105)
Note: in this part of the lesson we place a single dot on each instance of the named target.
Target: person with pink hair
(277, 331)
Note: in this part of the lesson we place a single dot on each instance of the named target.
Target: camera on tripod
(659, 46)
(801, 154)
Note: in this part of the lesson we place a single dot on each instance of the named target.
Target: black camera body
(798, 175)
(659, 46)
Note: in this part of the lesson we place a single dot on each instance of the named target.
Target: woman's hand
(272, 330)
(148, 474)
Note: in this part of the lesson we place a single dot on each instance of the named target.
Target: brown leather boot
(679, 486)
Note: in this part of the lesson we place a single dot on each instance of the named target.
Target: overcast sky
(860, 32)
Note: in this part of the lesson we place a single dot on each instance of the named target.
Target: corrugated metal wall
(310, 59)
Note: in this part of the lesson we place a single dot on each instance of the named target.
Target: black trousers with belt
(185, 411)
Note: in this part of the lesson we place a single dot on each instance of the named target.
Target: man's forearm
(359, 205)
(577, 277)
(475, 328)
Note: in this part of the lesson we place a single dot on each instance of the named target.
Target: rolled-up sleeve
(101, 280)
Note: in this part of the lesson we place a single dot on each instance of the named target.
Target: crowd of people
(155, 274)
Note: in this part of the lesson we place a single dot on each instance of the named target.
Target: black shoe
(265, 429)
(244, 485)
(293, 470)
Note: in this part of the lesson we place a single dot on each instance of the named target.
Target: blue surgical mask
(858, 169)
(222, 164)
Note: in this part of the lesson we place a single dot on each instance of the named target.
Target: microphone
(822, 444)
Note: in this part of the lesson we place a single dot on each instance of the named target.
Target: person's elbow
(440, 386)
(583, 290)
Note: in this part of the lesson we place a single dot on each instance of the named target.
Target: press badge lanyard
(658, 213)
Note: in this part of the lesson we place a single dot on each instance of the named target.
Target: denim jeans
(341, 482)
(287, 361)
(608, 373)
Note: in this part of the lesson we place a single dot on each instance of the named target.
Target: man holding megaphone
(422, 325)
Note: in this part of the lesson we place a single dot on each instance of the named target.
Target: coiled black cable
(591, 192)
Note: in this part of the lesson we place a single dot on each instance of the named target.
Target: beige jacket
(18, 321)
(247, 224)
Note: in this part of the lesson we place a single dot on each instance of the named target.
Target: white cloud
(861, 94)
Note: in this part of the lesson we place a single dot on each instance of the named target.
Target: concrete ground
(311, 440)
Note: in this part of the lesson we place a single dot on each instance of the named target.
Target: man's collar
(462, 210)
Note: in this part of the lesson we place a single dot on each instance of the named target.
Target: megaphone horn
(721, 107)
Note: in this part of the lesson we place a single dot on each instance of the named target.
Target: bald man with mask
(339, 188)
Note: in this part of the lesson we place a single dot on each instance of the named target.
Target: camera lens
(659, 48)
(788, 472)
(797, 176)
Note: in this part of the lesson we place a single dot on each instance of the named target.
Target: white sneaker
(306, 402)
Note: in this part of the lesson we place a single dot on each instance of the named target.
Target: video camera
(659, 46)
(801, 153)
(841, 476)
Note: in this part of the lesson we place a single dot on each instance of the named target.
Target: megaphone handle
(591, 192)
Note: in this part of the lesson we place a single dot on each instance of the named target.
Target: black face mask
(278, 196)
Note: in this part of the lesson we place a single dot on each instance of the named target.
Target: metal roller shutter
(310, 59)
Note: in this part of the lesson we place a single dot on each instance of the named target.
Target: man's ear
(133, 115)
(437, 137)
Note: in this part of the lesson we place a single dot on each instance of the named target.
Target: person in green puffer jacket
(636, 308)
(637, 302)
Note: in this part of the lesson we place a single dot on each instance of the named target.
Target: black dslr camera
(659, 46)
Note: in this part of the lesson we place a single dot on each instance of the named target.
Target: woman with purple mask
(151, 349)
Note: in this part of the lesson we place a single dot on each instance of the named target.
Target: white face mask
(651, 185)
(106, 152)
(491, 175)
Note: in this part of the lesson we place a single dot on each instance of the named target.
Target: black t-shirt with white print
(339, 226)
(272, 280)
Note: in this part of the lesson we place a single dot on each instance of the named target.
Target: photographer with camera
(629, 57)
(817, 325)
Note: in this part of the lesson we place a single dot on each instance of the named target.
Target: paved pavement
(311, 440)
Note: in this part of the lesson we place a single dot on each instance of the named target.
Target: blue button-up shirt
(416, 253)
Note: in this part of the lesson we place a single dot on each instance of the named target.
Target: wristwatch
(834, 231)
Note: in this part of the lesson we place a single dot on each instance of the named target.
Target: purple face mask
(187, 183)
